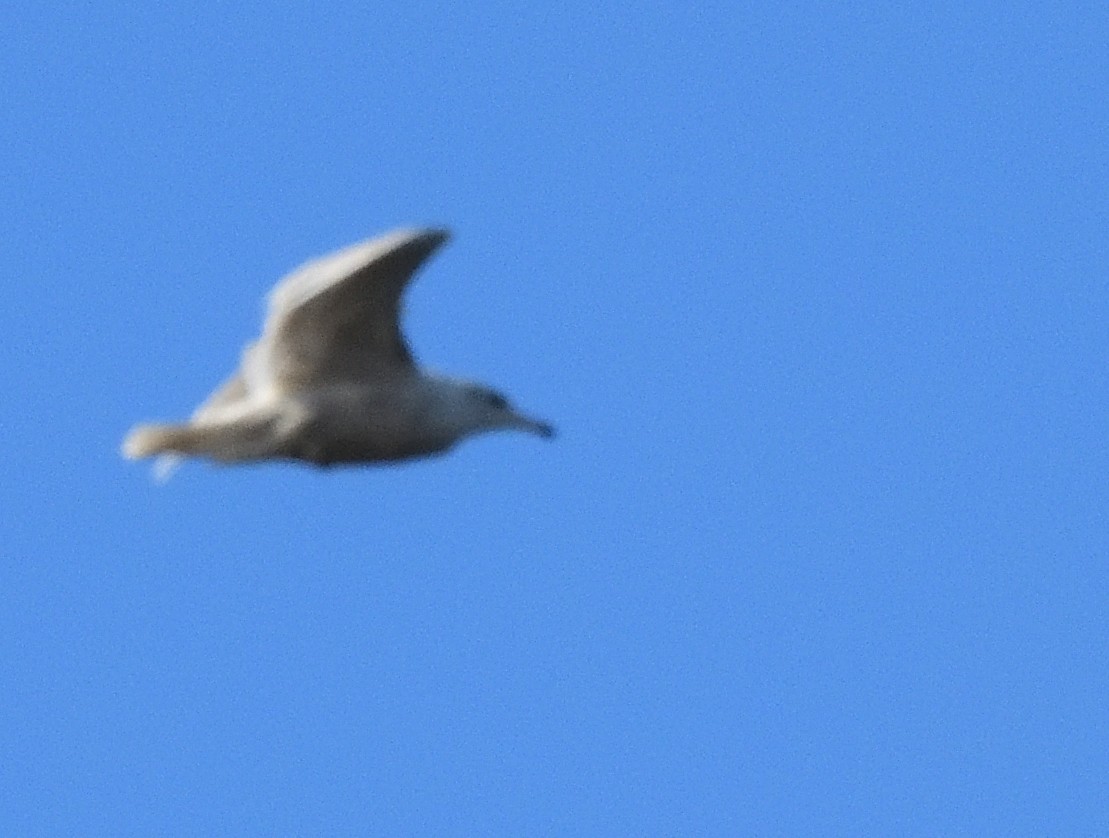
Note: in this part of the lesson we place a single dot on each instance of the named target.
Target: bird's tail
(246, 438)
(148, 440)
(165, 442)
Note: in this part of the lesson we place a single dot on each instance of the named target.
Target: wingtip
(423, 240)
(164, 467)
(434, 236)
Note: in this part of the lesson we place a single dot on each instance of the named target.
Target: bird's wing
(246, 384)
(233, 390)
(336, 318)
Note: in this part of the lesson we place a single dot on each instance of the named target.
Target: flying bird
(332, 379)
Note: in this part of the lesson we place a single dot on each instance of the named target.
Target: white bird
(332, 380)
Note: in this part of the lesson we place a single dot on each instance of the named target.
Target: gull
(332, 379)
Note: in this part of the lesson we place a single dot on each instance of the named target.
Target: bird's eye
(496, 400)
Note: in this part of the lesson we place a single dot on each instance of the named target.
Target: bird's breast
(365, 424)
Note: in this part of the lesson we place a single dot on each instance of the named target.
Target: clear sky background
(817, 298)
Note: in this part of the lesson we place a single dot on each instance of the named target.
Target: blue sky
(817, 298)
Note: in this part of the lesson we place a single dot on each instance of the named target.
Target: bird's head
(474, 408)
(493, 411)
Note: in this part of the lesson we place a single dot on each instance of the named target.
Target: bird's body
(331, 380)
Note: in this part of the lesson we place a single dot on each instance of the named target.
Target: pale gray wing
(337, 318)
(232, 391)
(246, 384)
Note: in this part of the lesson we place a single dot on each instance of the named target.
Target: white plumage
(331, 379)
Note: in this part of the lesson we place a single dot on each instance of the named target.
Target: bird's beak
(532, 426)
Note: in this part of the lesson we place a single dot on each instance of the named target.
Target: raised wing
(337, 318)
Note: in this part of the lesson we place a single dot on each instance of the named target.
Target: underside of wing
(337, 318)
(231, 392)
(248, 384)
